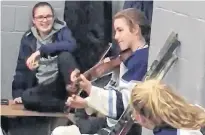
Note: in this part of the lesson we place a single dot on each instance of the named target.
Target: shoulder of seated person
(28, 33)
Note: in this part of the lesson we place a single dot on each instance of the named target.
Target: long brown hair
(157, 102)
(133, 16)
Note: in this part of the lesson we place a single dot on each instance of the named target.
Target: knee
(66, 130)
(64, 56)
(26, 95)
(66, 59)
(29, 93)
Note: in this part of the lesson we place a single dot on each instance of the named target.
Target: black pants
(51, 97)
(93, 125)
(4, 123)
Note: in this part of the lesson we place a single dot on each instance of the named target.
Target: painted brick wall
(188, 20)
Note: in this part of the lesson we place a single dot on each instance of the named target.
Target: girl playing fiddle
(132, 32)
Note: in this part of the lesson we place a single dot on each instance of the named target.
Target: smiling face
(43, 19)
(124, 37)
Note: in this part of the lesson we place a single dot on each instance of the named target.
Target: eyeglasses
(41, 18)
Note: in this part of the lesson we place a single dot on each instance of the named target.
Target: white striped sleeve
(109, 102)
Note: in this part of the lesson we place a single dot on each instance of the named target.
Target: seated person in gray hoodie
(45, 62)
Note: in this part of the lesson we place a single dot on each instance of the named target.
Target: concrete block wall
(116, 6)
(15, 20)
(187, 18)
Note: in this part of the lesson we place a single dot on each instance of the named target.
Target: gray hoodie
(48, 67)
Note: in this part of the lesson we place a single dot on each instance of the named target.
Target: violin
(102, 68)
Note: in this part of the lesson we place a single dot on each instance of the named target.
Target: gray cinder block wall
(15, 20)
(187, 18)
(116, 6)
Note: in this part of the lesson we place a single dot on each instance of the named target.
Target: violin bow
(105, 53)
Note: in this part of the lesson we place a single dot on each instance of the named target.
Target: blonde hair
(157, 102)
(133, 17)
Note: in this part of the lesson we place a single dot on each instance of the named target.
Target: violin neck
(87, 74)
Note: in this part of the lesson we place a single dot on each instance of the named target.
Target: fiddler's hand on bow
(79, 82)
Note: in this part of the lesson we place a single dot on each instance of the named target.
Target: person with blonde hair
(157, 107)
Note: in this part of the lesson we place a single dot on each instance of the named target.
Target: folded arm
(66, 43)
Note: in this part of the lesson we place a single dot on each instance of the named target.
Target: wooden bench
(17, 110)
(13, 110)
